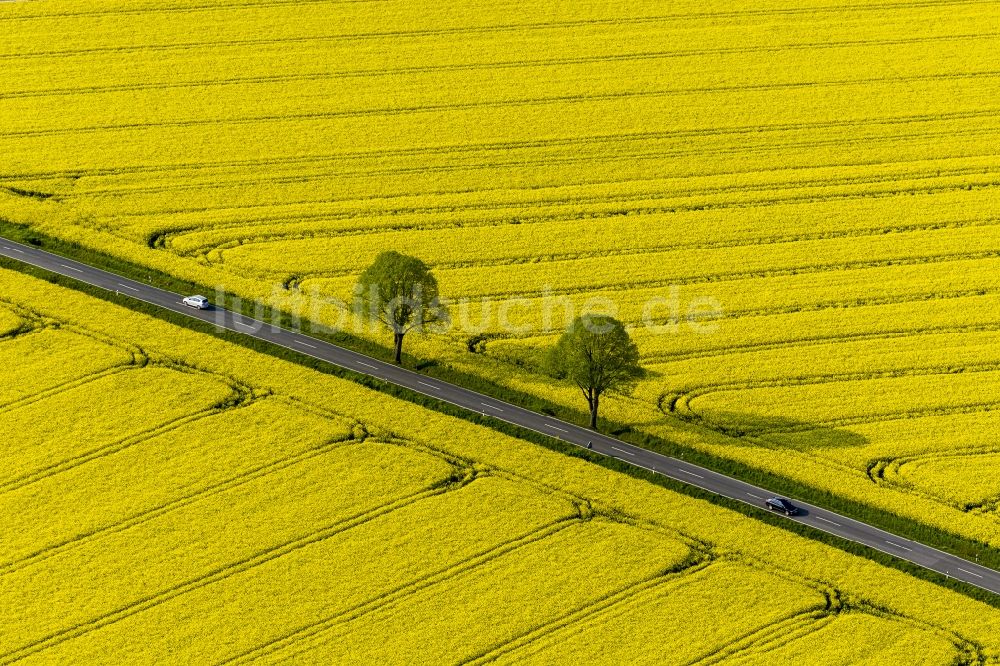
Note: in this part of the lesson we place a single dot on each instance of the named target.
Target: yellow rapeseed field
(191, 501)
(824, 172)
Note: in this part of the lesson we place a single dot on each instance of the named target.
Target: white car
(199, 302)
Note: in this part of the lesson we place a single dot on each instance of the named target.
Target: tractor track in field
(223, 572)
(316, 633)
(483, 29)
(181, 501)
(538, 200)
(326, 75)
(418, 109)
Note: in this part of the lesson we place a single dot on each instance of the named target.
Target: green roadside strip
(955, 544)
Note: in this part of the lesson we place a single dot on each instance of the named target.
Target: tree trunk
(398, 339)
(593, 411)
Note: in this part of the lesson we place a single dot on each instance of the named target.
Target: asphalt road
(679, 470)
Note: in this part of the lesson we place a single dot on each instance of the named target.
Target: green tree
(400, 291)
(597, 354)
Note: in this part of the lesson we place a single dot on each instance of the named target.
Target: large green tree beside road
(597, 354)
(400, 291)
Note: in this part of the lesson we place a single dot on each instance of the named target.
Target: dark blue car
(781, 504)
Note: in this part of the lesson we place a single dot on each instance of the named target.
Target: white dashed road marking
(691, 473)
(971, 573)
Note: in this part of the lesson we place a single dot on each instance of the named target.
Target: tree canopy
(598, 355)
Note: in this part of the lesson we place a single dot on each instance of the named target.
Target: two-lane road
(679, 470)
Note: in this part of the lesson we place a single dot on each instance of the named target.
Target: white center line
(549, 425)
(367, 365)
(436, 388)
(826, 520)
(71, 268)
(971, 573)
(898, 546)
(757, 496)
(127, 286)
(239, 323)
(691, 473)
(486, 404)
(628, 453)
(16, 250)
(304, 344)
